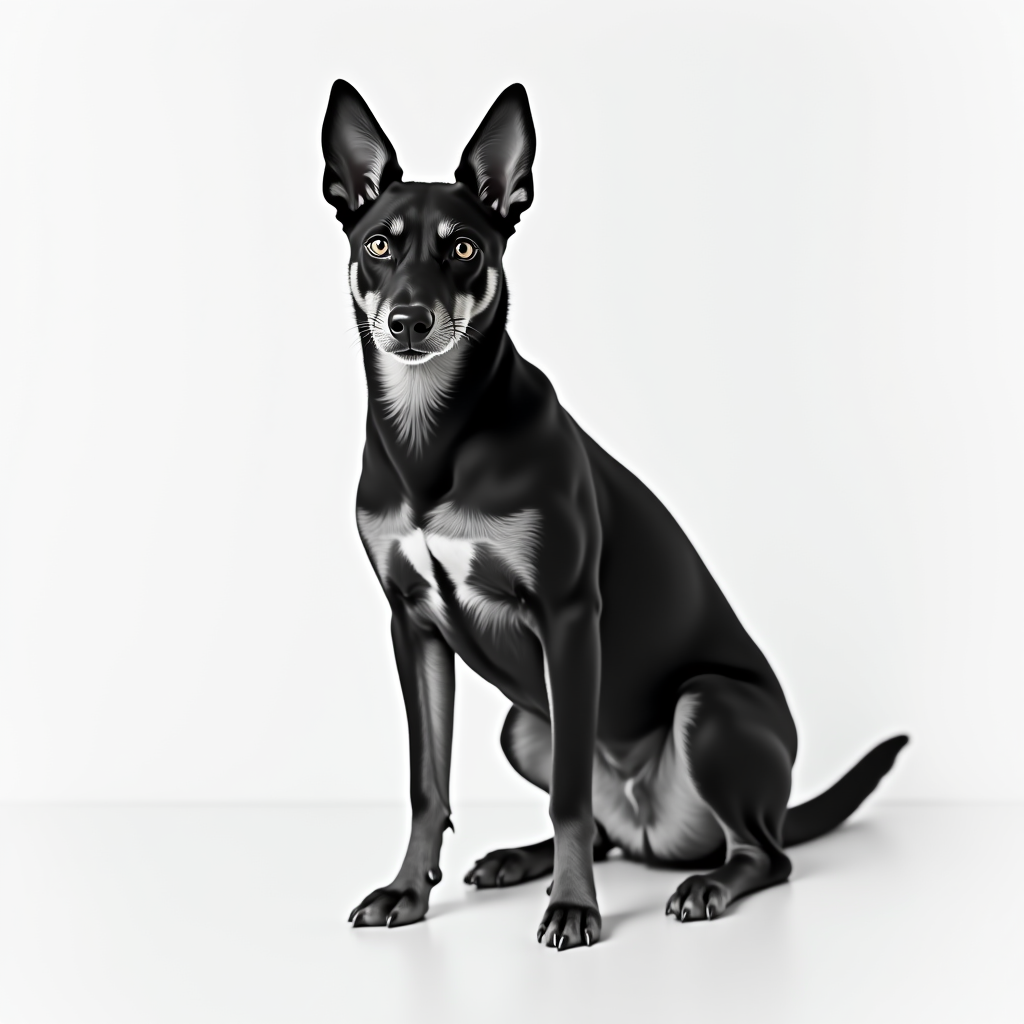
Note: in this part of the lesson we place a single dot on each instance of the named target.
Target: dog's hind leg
(739, 743)
(526, 742)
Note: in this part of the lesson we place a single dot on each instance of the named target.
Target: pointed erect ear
(497, 163)
(360, 161)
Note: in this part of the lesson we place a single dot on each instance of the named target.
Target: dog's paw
(566, 925)
(391, 906)
(510, 867)
(698, 898)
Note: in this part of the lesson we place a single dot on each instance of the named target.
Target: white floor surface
(237, 913)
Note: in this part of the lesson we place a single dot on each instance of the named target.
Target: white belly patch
(486, 558)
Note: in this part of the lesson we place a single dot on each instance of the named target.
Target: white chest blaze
(414, 547)
(456, 554)
(456, 540)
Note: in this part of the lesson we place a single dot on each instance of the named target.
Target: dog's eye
(465, 249)
(378, 246)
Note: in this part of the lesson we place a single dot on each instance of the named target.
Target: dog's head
(425, 270)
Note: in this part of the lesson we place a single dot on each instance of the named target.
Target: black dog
(502, 533)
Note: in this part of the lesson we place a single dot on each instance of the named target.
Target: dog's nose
(410, 323)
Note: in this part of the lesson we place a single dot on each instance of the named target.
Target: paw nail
(540, 933)
(710, 912)
(586, 937)
(561, 943)
(389, 919)
(684, 915)
(433, 875)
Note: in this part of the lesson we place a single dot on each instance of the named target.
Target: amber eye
(378, 246)
(465, 249)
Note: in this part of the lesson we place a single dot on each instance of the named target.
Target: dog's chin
(411, 357)
(416, 356)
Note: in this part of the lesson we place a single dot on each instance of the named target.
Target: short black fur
(501, 532)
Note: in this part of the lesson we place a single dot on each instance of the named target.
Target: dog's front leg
(426, 669)
(572, 665)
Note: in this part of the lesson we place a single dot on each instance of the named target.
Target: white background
(774, 265)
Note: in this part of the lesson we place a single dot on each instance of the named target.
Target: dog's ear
(360, 160)
(497, 163)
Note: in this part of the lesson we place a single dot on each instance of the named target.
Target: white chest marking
(456, 555)
(455, 538)
(414, 547)
(514, 538)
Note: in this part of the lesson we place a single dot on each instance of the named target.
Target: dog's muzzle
(410, 327)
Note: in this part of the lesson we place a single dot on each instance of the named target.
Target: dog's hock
(497, 164)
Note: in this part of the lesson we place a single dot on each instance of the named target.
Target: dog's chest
(456, 563)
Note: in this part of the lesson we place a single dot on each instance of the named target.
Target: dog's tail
(836, 804)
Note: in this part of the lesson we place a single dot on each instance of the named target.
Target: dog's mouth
(412, 356)
(415, 355)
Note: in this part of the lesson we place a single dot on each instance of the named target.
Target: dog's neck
(417, 414)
